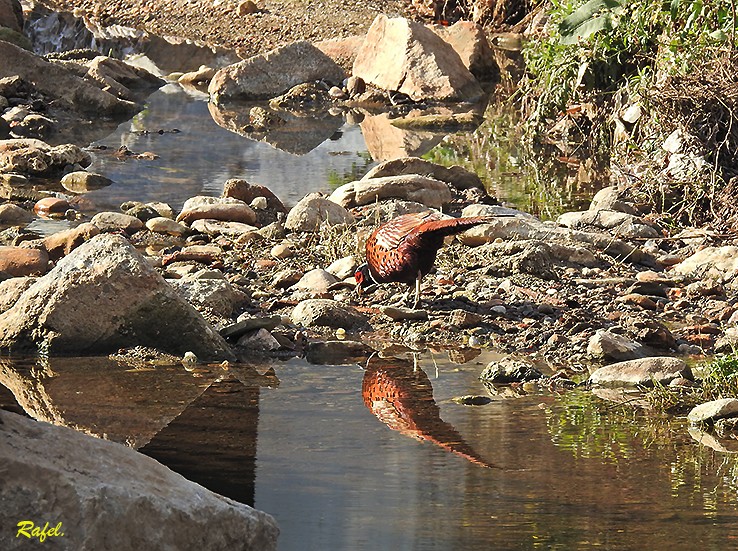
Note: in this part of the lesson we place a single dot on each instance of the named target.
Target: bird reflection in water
(400, 395)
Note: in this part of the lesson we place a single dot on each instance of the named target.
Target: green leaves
(595, 15)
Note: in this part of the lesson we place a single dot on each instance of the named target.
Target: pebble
(282, 251)
(160, 224)
(396, 313)
(49, 206)
(247, 7)
(472, 400)
(259, 203)
(116, 221)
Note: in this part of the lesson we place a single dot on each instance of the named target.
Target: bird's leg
(417, 290)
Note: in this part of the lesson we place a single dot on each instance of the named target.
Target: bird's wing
(389, 236)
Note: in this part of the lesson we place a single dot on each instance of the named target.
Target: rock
(49, 206)
(325, 312)
(313, 210)
(463, 319)
(259, 339)
(202, 76)
(509, 370)
(411, 187)
(243, 326)
(316, 281)
(209, 295)
(407, 57)
(161, 224)
(61, 476)
(456, 176)
(268, 75)
(247, 7)
(11, 290)
(64, 242)
(396, 313)
(140, 210)
(246, 192)
(342, 51)
(343, 267)
(216, 208)
(606, 344)
(117, 221)
(286, 278)
(13, 214)
(611, 198)
(34, 157)
(641, 372)
(623, 224)
(639, 300)
(123, 301)
(233, 230)
(709, 412)
(82, 181)
(710, 262)
(22, 262)
(281, 251)
(337, 352)
(11, 15)
(472, 400)
(470, 43)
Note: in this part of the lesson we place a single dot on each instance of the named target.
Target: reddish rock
(51, 205)
(469, 41)
(62, 243)
(246, 192)
(21, 262)
(342, 50)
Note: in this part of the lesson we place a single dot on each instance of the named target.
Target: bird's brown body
(404, 249)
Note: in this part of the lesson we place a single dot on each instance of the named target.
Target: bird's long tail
(451, 226)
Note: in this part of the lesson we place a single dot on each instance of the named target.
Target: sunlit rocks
(102, 297)
(117, 221)
(161, 224)
(457, 176)
(21, 261)
(411, 187)
(342, 50)
(81, 181)
(62, 243)
(31, 156)
(326, 312)
(11, 290)
(268, 75)
(709, 412)
(233, 230)
(200, 77)
(404, 56)
(209, 295)
(13, 214)
(313, 210)
(715, 262)
(247, 192)
(641, 372)
(316, 281)
(50, 206)
(216, 208)
(609, 345)
(43, 462)
(470, 43)
(510, 370)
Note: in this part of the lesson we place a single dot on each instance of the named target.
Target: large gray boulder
(399, 54)
(410, 187)
(641, 372)
(102, 297)
(103, 495)
(268, 75)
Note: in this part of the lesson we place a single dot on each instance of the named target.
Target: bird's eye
(359, 277)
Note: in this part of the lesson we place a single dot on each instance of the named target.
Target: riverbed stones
(327, 313)
(11, 290)
(225, 209)
(230, 229)
(209, 295)
(21, 261)
(642, 372)
(247, 324)
(96, 488)
(457, 176)
(35, 157)
(102, 297)
(710, 262)
(11, 15)
(81, 181)
(160, 224)
(607, 344)
(316, 282)
(62, 243)
(313, 210)
(13, 214)
(410, 187)
(343, 267)
(267, 75)
(510, 370)
(407, 57)
(709, 412)
(117, 221)
(247, 192)
(399, 313)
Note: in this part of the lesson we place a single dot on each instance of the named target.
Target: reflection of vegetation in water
(593, 429)
(357, 170)
(536, 181)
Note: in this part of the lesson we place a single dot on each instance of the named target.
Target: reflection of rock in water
(386, 142)
(402, 398)
(213, 441)
(99, 397)
(291, 133)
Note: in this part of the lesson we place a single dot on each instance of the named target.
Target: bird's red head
(363, 278)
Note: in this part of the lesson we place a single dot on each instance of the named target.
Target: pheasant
(404, 249)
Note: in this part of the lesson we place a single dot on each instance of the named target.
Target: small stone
(286, 278)
(606, 344)
(472, 400)
(64, 242)
(343, 267)
(639, 300)
(82, 181)
(166, 225)
(336, 93)
(247, 7)
(316, 281)
(116, 221)
(396, 313)
(49, 206)
(232, 230)
(13, 214)
(509, 370)
(244, 325)
(641, 372)
(709, 412)
(464, 319)
(225, 209)
(261, 339)
(282, 251)
(498, 309)
(324, 312)
(259, 203)
(355, 86)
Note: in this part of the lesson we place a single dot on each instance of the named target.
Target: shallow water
(348, 458)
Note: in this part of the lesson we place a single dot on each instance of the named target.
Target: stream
(377, 455)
